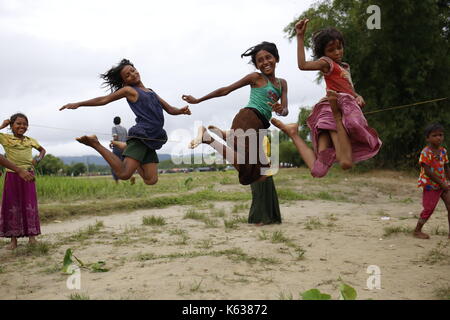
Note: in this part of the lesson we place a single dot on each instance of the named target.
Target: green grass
(79, 296)
(240, 207)
(313, 224)
(39, 249)
(388, 231)
(438, 254)
(279, 237)
(86, 233)
(153, 221)
(194, 215)
(443, 293)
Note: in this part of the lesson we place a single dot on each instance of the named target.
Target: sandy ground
(322, 243)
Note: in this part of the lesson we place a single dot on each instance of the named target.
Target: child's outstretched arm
(172, 110)
(25, 175)
(247, 80)
(125, 92)
(321, 65)
(281, 108)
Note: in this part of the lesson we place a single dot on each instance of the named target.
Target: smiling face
(334, 50)
(19, 126)
(265, 62)
(435, 138)
(130, 76)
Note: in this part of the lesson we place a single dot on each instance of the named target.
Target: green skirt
(265, 208)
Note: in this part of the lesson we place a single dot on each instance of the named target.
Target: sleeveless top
(149, 120)
(338, 77)
(260, 96)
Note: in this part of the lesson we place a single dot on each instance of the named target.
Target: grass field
(63, 197)
(188, 238)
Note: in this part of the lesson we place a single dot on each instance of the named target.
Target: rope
(405, 106)
(103, 134)
(152, 139)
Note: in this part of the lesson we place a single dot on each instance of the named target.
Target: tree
(405, 61)
(50, 165)
(76, 169)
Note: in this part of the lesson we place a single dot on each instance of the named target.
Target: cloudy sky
(53, 52)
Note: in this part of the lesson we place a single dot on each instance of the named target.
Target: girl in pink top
(339, 130)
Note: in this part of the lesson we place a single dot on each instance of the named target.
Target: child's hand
(278, 108)
(25, 175)
(6, 123)
(185, 110)
(189, 99)
(70, 106)
(300, 27)
(360, 101)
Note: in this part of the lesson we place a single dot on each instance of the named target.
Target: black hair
(117, 120)
(433, 127)
(268, 46)
(112, 77)
(14, 117)
(321, 38)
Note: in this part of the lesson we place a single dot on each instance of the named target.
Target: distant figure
(119, 133)
(434, 177)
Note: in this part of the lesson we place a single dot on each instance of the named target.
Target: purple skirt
(19, 215)
(364, 139)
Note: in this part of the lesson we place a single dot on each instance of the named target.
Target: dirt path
(319, 244)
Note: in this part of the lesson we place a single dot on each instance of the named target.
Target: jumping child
(434, 177)
(266, 90)
(146, 136)
(339, 130)
(19, 212)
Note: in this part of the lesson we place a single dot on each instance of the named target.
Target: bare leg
(226, 152)
(221, 133)
(446, 197)
(124, 170)
(292, 131)
(341, 140)
(13, 244)
(119, 144)
(149, 173)
(418, 231)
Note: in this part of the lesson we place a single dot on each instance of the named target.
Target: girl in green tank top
(267, 94)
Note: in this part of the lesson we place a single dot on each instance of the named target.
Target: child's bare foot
(202, 137)
(421, 235)
(290, 129)
(12, 245)
(132, 180)
(119, 144)
(332, 99)
(32, 241)
(88, 140)
(260, 224)
(218, 131)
